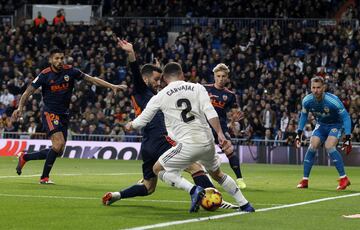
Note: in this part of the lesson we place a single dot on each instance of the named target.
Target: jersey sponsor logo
(213, 95)
(66, 78)
(225, 97)
(218, 104)
(61, 87)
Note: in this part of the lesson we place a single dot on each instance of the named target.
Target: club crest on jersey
(56, 122)
(334, 130)
(225, 97)
(326, 109)
(66, 78)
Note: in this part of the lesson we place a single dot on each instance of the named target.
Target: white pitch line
(74, 174)
(171, 223)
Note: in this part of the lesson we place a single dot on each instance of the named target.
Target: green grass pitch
(75, 201)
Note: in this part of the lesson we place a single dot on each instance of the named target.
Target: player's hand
(16, 114)
(225, 144)
(117, 88)
(126, 46)
(298, 139)
(347, 146)
(156, 62)
(227, 147)
(128, 126)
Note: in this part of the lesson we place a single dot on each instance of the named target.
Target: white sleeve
(148, 114)
(205, 103)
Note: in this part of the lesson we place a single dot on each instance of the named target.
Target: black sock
(135, 190)
(192, 190)
(49, 162)
(235, 165)
(202, 180)
(40, 155)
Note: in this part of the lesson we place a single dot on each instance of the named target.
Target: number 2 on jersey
(184, 112)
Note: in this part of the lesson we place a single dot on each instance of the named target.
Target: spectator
(59, 19)
(40, 22)
(268, 117)
(7, 98)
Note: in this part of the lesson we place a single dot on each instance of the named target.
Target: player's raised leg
(24, 157)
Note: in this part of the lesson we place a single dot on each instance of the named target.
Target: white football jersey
(186, 107)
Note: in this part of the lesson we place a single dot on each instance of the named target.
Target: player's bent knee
(150, 190)
(330, 149)
(157, 168)
(59, 149)
(150, 185)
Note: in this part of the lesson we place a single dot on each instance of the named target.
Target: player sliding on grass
(155, 142)
(331, 118)
(187, 110)
(57, 82)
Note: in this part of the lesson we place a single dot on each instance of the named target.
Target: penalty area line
(171, 223)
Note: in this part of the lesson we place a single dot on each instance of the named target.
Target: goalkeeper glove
(346, 146)
(298, 139)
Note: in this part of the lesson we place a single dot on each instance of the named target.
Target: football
(211, 200)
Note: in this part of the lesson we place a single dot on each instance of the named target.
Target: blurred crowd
(270, 71)
(204, 8)
(224, 8)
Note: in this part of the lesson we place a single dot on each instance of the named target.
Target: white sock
(176, 180)
(116, 195)
(230, 186)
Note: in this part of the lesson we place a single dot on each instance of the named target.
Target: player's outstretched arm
(19, 111)
(128, 48)
(99, 82)
(138, 81)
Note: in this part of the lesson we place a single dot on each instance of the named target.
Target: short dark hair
(172, 69)
(148, 69)
(317, 79)
(55, 50)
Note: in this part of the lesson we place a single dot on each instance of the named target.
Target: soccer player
(187, 108)
(155, 137)
(57, 82)
(223, 101)
(331, 118)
